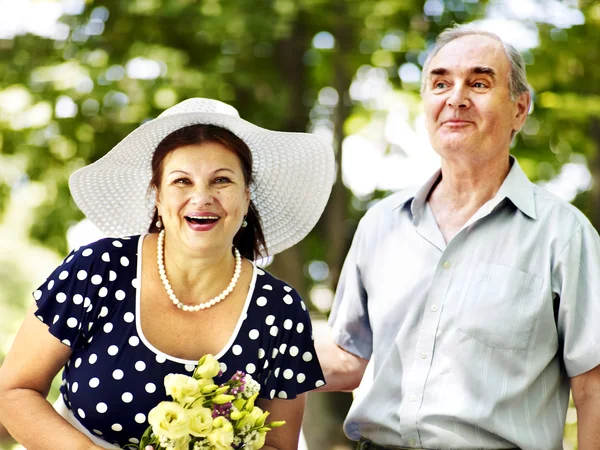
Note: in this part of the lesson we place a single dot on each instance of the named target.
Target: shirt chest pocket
(499, 306)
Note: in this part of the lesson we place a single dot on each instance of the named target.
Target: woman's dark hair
(249, 239)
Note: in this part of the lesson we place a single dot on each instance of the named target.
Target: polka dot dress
(115, 376)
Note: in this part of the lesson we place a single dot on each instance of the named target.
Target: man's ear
(523, 103)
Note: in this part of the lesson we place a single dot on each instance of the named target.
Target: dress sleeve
(295, 366)
(70, 299)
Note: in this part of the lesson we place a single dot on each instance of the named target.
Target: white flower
(251, 386)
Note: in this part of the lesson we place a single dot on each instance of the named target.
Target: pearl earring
(158, 224)
(244, 223)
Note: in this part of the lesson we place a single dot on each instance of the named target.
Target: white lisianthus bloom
(251, 386)
(208, 367)
(200, 420)
(184, 389)
(221, 436)
(169, 420)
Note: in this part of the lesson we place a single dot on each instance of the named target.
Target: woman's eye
(222, 180)
(181, 181)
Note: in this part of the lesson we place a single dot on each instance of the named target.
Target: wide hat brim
(294, 174)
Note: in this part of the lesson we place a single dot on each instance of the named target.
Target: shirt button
(423, 355)
(434, 308)
(446, 264)
(413, 398)
(412, 442)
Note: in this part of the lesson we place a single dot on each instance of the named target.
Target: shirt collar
(516, 187)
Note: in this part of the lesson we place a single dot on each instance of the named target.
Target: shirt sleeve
(576, 279)
(296, 368)
(70, 298)
(349, 317)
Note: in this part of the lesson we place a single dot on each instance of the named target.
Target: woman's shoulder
(270, 286)
(108, 249)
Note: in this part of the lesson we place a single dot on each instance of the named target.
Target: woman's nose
(202, 195)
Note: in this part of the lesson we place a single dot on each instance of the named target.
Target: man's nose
(459, 97)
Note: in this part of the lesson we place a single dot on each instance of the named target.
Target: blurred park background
(76, 76)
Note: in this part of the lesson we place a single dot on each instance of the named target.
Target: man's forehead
(467, 52)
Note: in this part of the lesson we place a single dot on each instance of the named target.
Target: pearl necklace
(163, 276)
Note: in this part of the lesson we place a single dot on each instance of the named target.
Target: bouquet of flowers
(204, 416)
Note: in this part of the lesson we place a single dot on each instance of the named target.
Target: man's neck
(462, 189)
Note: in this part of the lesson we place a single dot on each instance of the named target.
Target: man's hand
(586, 395)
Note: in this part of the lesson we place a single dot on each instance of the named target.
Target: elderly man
(475, 299)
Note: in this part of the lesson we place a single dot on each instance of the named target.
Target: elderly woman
(177, 283)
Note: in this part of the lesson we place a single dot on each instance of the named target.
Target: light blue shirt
(471, 343)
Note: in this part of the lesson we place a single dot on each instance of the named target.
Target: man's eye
(439, 85)
(479, 85)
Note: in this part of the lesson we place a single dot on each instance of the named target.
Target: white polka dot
(319, 383)
(140, 366)
(108, 327)
(90, 325)
(81, 413)
(72, 322)
(253, 334)
(78, 299)
(124, 261)
(282, 394)
(81, 275)
(270, 320)
(96, 279)
(94, 382)
(120, 295)
(127, 397)
(86, 302)
(268, 287)
(237, 350)
(103, 312)
(190, 367)
(293, 351)
(105, 257)
(134, 440)
(128, 317)
(117, 244)
(40, 318)
(77, 363)
(276, 372)
(288, 299)
(93, 358)
(112, 275)
(274, 353)
(103, 292)
(266, 364)
(303, 305)
(113, 350)
(261, 353)
(287, 289)
(223, 367)
(288, 374)
(101, 407)
(118, 374)
(282, 348)
(300, 327)
(160, 359)
(272, 393)
(135, 283)
(66, 342)
(134, 341)
(140, 418)
(260, 271)
(261, 301)
(68, 260)
(274, 330)
(74, 387)
(56, 317)
(307, 356)
(300, 378)
(288, 324)
(150, 388)
(61, 297)
(63, 275)
(87, 252)
(250, 368)
(116, 427)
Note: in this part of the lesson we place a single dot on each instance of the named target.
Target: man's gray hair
(517, 80)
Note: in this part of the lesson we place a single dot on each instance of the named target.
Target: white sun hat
(293, 175)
